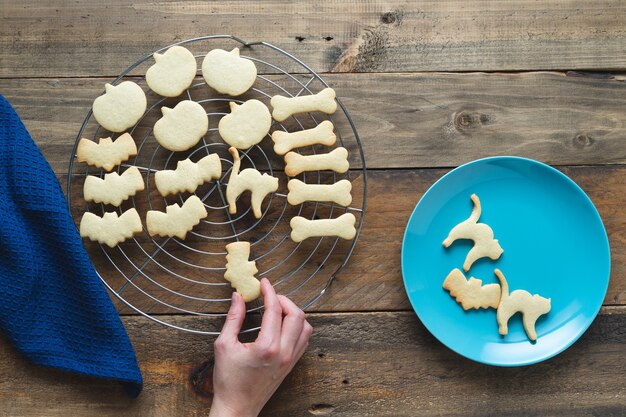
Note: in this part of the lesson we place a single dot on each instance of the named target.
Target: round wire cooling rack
(163, 278)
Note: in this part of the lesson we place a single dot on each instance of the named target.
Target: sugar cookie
(338, 193)
(531, 307)
(177, 220)
(110, 229)
(227, 72)
(188, 175)
(240, 271)
(283, 107)
(321, 134)
(342, 226)
(471, 293)
(337, 161)
(248, 180)
(114, 188)
(246, 125)
(173, 71)
(480, 233)
(182, 127)
(120, 107)
(106, 154)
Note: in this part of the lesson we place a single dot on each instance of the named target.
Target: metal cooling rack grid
(158, 277)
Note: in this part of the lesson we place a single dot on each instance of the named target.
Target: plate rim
(578, 189)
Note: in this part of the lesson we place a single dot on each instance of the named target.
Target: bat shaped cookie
(471, 293)
(107, 153)
(177, 220)
(110, 229)
(188, 175)
(114, 188)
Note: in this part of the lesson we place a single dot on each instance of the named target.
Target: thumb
(234, 318)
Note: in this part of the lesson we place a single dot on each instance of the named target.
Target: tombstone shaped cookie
(227, 72)
(246, 125)
(172, 73)
(120, 107)
(182, 127)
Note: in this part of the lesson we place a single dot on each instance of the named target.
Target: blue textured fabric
(53, 305)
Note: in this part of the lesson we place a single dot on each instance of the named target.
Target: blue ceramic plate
(554, 244)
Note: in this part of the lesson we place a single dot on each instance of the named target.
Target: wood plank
(382, 364)
(372, 280)
(407, 120)
(94, 38)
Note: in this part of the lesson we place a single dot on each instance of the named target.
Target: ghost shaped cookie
(182, 127)
(246, 125)
(227, 72)
(120, 107)
(172, 72)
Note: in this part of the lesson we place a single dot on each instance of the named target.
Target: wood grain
(95, 38)
(372, 364)
(407, 120)
(372, 280)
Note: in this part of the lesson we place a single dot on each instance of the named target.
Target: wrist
(220, 409)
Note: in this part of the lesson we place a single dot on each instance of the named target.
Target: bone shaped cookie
(338, 192)
(283, 107)
(177, 220)
(110, 229)
(337, 161)
(471, 293)
(480, 233)
(106, 153)
(321, 134)
(248, 180)
(120, 107)
(188, 175)
(114, 188)
(531, 307)
(240, 271)
(342, 226)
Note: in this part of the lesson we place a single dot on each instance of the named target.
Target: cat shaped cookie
(482, 235)
(531, 307)
(259, 185)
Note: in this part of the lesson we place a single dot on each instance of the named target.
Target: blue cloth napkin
(53, 306)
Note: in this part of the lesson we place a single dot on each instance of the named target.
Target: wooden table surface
(430, 85)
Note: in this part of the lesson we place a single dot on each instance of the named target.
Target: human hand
(246, 375)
